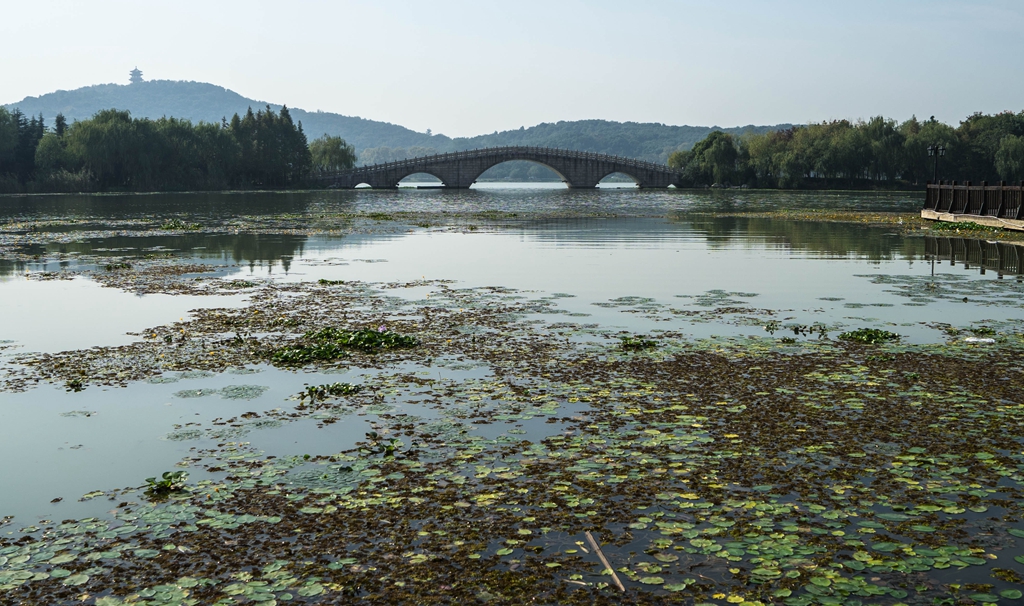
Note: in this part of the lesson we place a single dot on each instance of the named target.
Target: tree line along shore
(112, 151)
(878, 153)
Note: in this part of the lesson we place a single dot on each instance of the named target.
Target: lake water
(615, 260)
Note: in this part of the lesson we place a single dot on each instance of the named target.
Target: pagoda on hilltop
(136, 75)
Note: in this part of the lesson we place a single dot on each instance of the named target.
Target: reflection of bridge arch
(420, 172)
(616, 172)
(461, 169)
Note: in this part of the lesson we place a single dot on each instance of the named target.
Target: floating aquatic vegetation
(625, 302)
(244, 371)
(335, 477)
(195, 393)
(242, 392)
(332, 343)
(632, 343)
(961, 226)
(299, 356)
(719, 298)
(179, 225)
(195, 374)
(239, 284)
(184, 435)
(708, 470)
(953, 287)
(803, 330)
(78, 413)
(170, 483)
(869, 335)
(368, 340)
(378, 444)
(229, 392)
(322, 392)
(365, 339)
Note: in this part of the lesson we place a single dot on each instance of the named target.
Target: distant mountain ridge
(199, 101)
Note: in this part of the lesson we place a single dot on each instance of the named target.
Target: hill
(374, 140)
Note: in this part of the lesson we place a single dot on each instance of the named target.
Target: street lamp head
(942, 151)
(931, 150)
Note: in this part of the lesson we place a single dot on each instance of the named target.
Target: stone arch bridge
(459, 170)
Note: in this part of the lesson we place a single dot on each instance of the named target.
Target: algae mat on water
(801, 472)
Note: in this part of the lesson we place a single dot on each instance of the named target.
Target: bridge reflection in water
(1000, 257)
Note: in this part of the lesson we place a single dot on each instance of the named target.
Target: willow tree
(331, 154)
(1010, 158)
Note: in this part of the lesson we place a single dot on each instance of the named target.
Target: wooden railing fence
(1001, 201)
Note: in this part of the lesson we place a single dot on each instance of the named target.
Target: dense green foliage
(113, 151)
(332, 153)
(879, 152)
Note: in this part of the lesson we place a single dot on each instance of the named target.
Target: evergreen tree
(60, 125)
(8, 141)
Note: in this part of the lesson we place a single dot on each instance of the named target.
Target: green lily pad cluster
(170, 482)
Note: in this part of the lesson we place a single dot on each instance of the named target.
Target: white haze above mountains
(374, 140)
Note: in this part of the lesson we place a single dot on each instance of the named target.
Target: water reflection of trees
(266, 250)
(250, 249)
(828, 238)
(193, 206)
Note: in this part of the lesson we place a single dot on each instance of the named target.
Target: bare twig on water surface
(604, 561)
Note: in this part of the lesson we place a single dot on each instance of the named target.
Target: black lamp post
(936, 151)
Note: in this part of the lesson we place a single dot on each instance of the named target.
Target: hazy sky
(466, 67)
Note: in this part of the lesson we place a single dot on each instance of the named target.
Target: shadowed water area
(429, 396)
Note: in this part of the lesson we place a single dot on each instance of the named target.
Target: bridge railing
(510, 149)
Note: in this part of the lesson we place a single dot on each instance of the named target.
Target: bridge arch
(499, 162)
